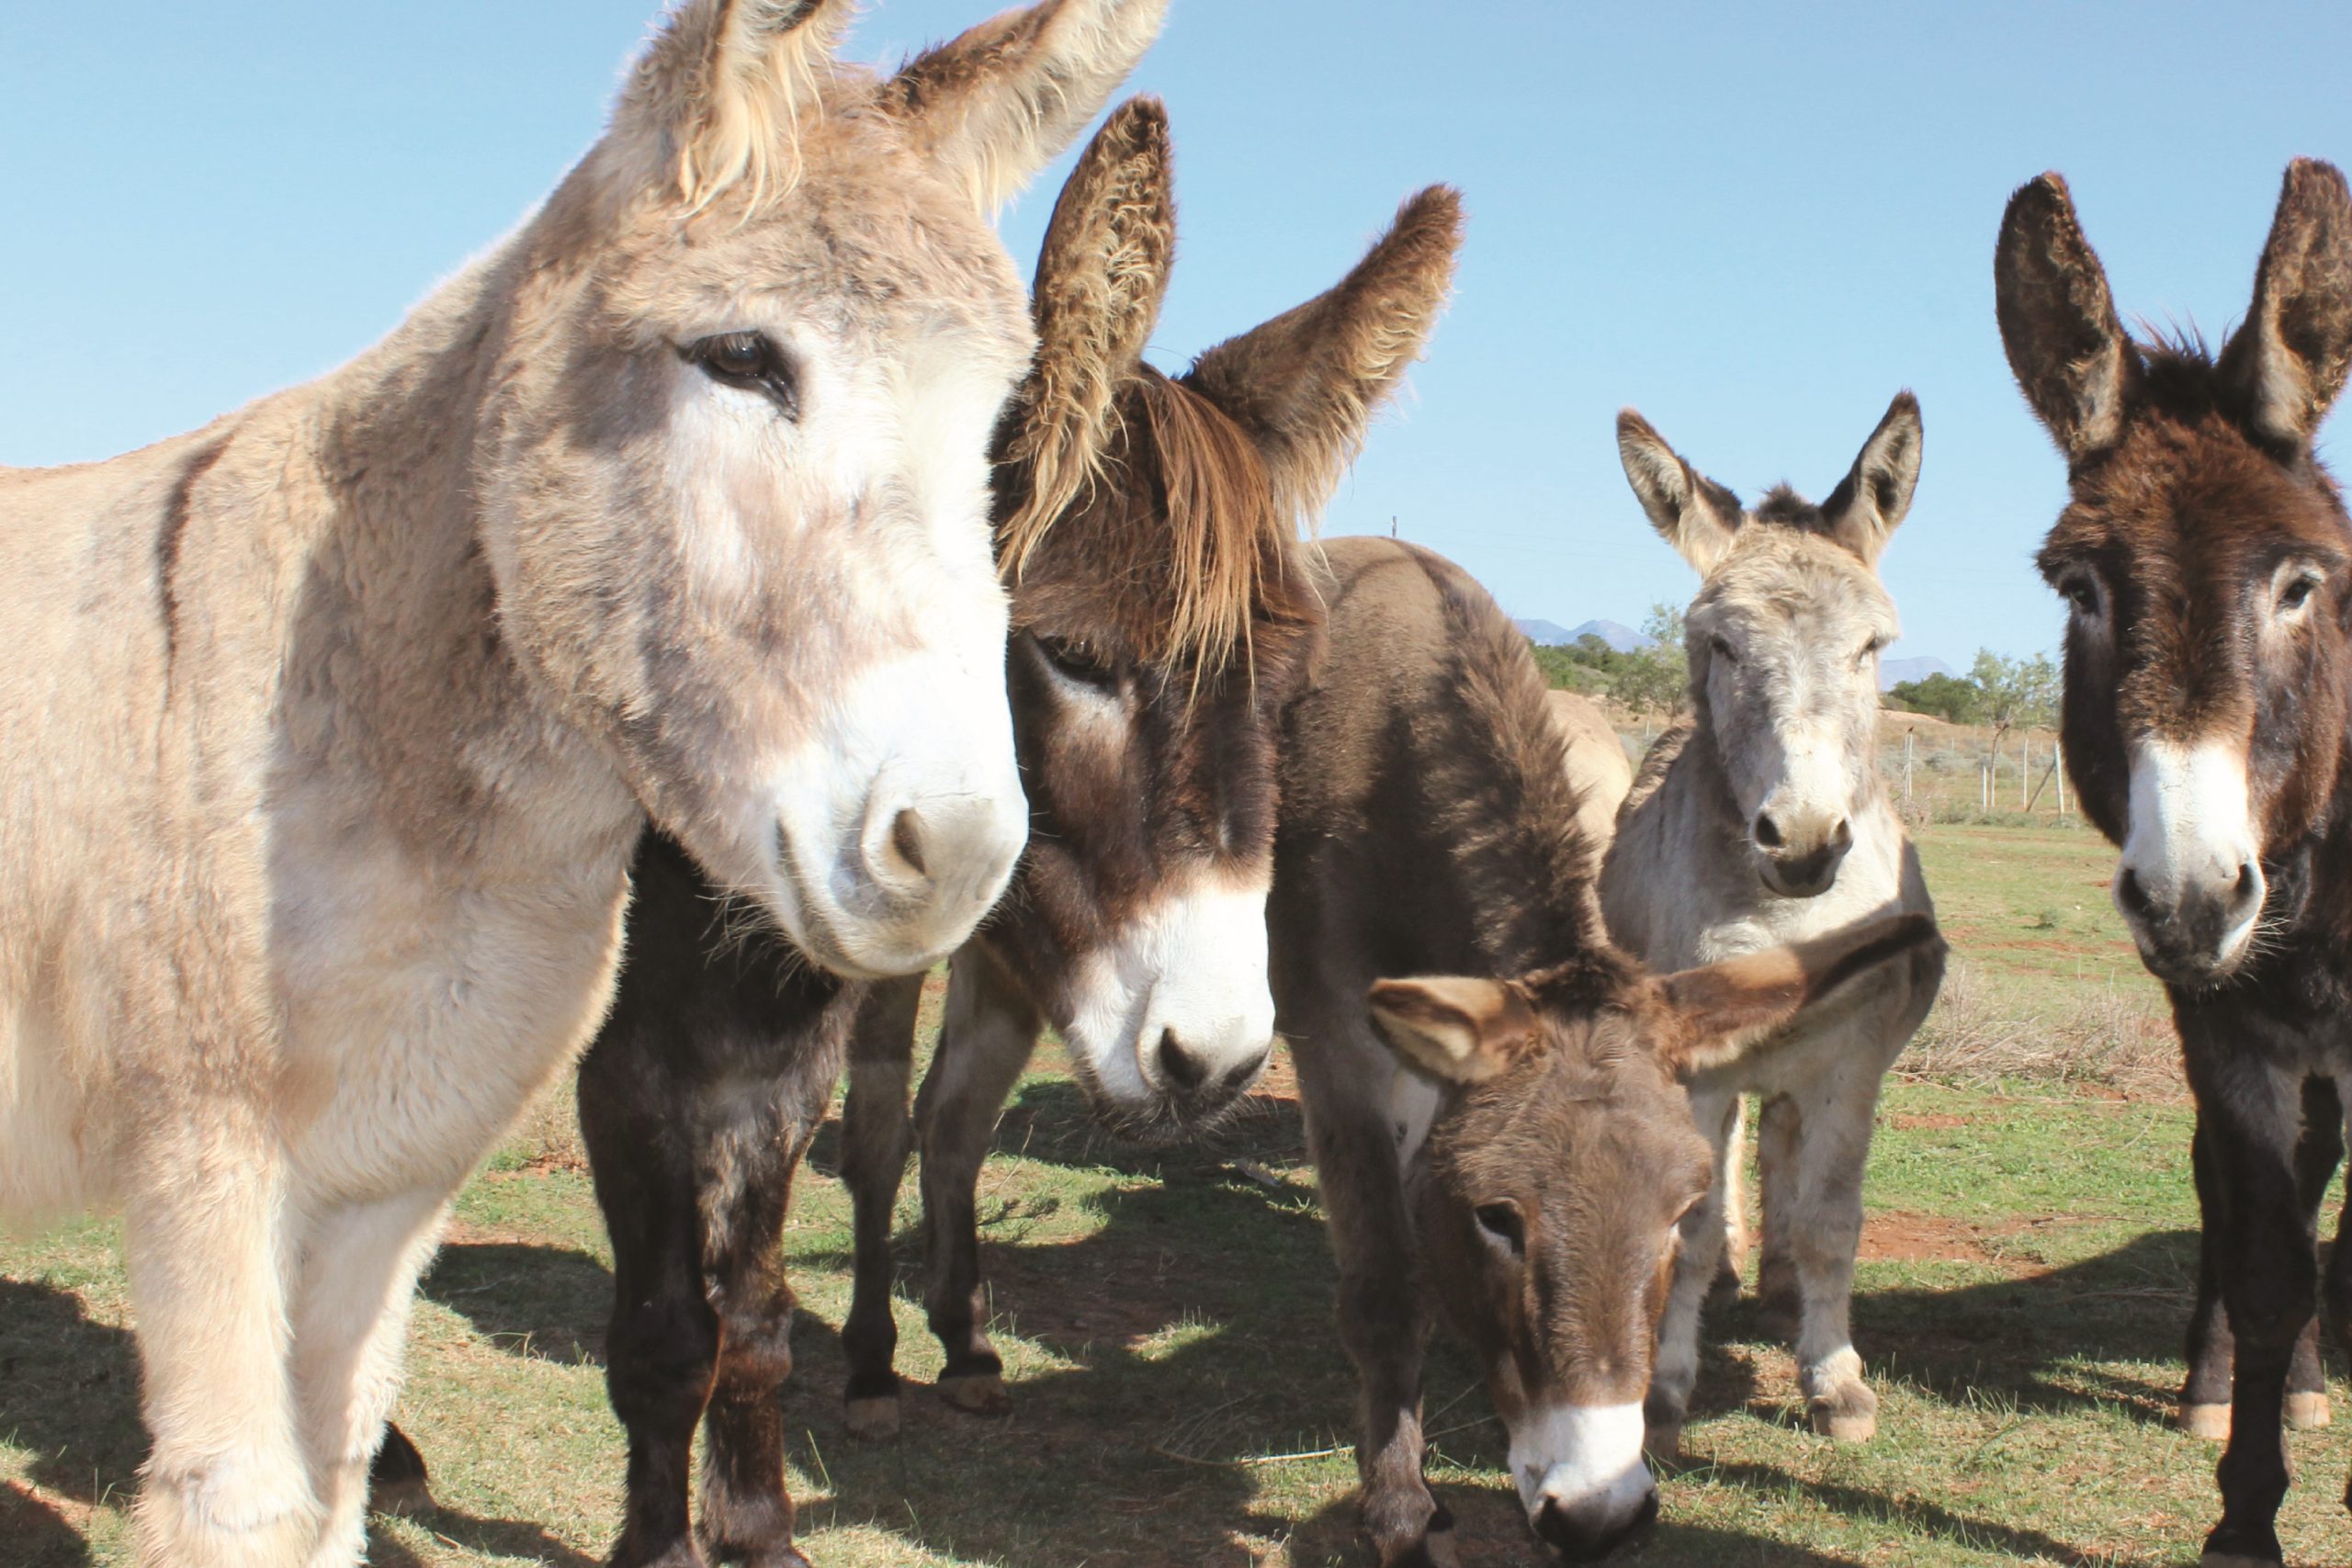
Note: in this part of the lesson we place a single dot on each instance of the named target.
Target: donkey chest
(427, 998)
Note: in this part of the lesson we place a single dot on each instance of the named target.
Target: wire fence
(1947, 772)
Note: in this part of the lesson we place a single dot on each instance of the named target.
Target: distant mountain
(1624, 638)
(1551, 634)
(1892, 672)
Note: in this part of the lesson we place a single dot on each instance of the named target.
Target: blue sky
(1755, 224)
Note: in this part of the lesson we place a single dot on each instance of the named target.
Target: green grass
(1166, 1320)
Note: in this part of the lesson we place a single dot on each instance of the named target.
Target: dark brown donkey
(2208, 561)
(1518, 1151)
(1160, 625)
(1136, 791)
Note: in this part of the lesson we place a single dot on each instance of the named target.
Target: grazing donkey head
(734, 463)
(2207, 559)
(1784, 638)
(1557, 1269)
(1161, 623)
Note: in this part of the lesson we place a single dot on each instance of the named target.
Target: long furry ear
(1728, 1009)
(2289, 360)
(2058, 321)
(1100, 278)
(1455, 1027)
(995, 105)
(722, 89)
(1869, 503)
(1305, 384)
(1691, 511)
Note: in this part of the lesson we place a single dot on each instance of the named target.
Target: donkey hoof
(874, 1419)
(407, 1497)
(2306, 1411)
(1434, 1550)
(1845, 1415)
(2235, 1560)
(2211, 1422)
(981, 1393)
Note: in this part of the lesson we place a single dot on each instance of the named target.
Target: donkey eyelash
(1076, 662)
(1722, 650)
(749, 360)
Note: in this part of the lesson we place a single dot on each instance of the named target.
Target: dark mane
(1784, 506)
(1498, 787)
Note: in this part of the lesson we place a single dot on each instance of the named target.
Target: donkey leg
(1833, 1145)
(746, 1510)
(1675, 1373)
(1730, 1174)
(225, 1485)
(2316, 1157)
(350, 1315)
(875, 1137)
(2205, 1394)
(662, 1349)
(1779, 1297)
(1383, 1323)
(984, 1042)
(2251, 1113)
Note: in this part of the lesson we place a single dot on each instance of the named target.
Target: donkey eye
(1722, 650)
(1871, 650)
(751, 361)
(2298, 594)
(1501, 1223)
(2082, 593)
(1077, 661)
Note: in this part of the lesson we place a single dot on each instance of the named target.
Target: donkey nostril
(1842, 836)
(1767, 832)
(906, 839)
(2132, 896)
(2248, 888)
(1176, 1067)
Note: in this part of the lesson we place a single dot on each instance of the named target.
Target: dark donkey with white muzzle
(2208, 559)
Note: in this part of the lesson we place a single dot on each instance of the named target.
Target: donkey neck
(400, 684)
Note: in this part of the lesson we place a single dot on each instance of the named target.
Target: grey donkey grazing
(1759, 822)
(332, 726)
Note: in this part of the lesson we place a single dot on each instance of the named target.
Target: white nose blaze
(1583, 1461)
(1807, 799)
(1176, 1004)
(898, 822)
(2191, 864)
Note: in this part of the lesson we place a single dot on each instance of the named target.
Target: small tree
(1657, 676)
(2015, 692)
(1948, 697)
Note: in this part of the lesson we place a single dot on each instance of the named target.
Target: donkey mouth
(1170, 1114)
(1806, 876)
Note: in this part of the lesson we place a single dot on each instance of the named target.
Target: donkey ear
(2290, 359)
(1869, 502)
(1100, 278)
(1305, 384)
(996, 105)
(2058, 323)
(1729, 1007)
(1693, 514)
(1454, 1027)
(721, 86)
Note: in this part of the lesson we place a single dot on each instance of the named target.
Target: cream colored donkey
(1761, 823)
(331, 727)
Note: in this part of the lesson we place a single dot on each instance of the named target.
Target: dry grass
(1979, 1036)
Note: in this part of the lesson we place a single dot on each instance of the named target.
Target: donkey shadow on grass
(69, 1393)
